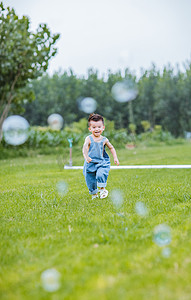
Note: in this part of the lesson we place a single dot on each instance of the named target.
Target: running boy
(97, 162)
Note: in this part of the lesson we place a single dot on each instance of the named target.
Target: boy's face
(96, 128)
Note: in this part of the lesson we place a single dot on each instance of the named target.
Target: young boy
(97, 162)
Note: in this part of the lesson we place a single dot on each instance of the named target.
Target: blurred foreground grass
(100, 251)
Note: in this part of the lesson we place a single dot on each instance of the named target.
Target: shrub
(44, 137)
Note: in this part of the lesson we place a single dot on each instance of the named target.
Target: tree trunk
(7, 106)
(131, 116)
(4, 116)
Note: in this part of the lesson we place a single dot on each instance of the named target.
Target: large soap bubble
(50, 280)
(124, 91)
(15, 130)
(87, 105)
(117, 198)
(162, 235)
(141, 209)
(55, 121)
(166, 252)
(62, 187)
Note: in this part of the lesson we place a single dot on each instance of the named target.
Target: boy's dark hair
(95, 118)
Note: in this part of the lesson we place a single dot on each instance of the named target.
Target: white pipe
(136, 167)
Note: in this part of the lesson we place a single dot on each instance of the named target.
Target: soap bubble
(141, 209)
(166, 252)
(15, 130)
(116, 198)
(50, 280)
(87, 105)
(162, 235)
(124, 91)
(55, 121)
(62, 188)
(120, 215)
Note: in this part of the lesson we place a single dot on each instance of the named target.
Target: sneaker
(94, 196)
(103, 193)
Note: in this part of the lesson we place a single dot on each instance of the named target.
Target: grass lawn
(100, 250)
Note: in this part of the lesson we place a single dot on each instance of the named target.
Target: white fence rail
(136, 167)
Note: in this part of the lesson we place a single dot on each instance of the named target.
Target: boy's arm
(85, 149)
(113, 152)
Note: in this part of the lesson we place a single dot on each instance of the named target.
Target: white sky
(113, 34)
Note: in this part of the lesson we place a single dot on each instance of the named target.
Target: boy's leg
(101, 176)
(91, 182)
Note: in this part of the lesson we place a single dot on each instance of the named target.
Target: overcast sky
(113, 34)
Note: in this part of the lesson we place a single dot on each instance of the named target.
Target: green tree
(55, 94)
(164, 98)
(115, 111)
(167, 106)
(24, 56)
(184, 87)
(145, 104)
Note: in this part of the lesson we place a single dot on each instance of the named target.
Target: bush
(44, 136)
(44, 139)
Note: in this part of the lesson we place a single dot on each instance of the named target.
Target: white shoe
(94, 197)
(103, 193)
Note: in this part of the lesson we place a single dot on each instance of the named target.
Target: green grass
(100, 252)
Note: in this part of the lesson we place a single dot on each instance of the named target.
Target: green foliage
(46, 139)
(80, 127)
(40, 137)
(154, 136)
(24, 56)
(132, 128)
(163, 99)
(146, 125)
(168, 101)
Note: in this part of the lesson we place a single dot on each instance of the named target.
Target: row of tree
(164, 98)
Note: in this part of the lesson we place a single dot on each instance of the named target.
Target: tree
(167, 105)
(24, 56)
(55, 94)
(184, 87)
(164, 98)
(145, 108)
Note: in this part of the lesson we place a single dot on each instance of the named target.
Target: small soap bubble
(70, 228)
(15, 130)
(87, 105)
(162, 235)
(141, 209)
(117, 198)
(62, 188)
(166, 252)
(121, 215)
(124, 91)
(50, 279)
(55, 121)
(60, 162)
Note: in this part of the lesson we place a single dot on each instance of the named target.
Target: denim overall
(96, 172)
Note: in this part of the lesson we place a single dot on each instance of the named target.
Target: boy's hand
(116, 161)
(88, 159)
